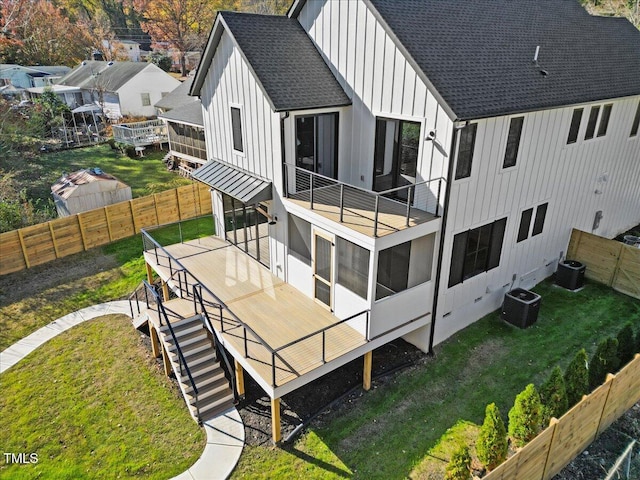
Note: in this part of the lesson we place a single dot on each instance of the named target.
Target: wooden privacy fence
(608, 261)
(564, 439)
(38, 244)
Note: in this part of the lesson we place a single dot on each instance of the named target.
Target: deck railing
(316, 189)
(228, 322)
(140, 134)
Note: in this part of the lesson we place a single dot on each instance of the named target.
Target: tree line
(65, 32)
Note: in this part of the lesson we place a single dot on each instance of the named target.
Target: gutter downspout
(283, 117)
(443, 227)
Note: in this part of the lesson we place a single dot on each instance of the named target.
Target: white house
(121, 88)
(404, 164)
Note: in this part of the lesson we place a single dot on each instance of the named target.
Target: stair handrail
(163, 313)
(197, 295)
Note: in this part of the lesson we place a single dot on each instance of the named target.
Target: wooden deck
(359, 210)
(274, 310)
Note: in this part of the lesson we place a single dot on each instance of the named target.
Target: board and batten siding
(380, 82)
(577, 180)
(230, 83)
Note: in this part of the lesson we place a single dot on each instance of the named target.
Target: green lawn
(91, 403)
(390, 431)
(144, 175)
(34, 297)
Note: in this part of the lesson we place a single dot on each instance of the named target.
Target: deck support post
(276, 431)
(239, 378)
(149, 273)
(366, 374)
(165, 291)
(165, 362)
(155, 344)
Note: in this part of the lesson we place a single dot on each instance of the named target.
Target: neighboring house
(123, 47)
(120, 88)
(86, 190)
(415, 160)
(33, 76)
(183, 115)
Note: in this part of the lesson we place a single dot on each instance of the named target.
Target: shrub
(492, 440)
(604, 360)
(576, 378)
(553, 396)
(459, 467)
(525, 416)
(626, 344)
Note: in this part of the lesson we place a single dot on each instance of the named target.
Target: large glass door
(323, 272)
(247, 228)
(317, 143)
(396, 154)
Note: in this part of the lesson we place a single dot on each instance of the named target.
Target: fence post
(24, 248)
(311, 191)
(438, 198)
(409, 200)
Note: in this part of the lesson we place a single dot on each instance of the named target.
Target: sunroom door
(323, 271)
(395, 155)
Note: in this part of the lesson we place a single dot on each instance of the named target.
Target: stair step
(195, 338)
(214, 407)
(192, 351)
(181, 324)
(210, 391)
(210, 375)
(184, 332)
(201, 360)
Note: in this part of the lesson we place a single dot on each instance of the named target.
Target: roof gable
(283, 59)
(178, 96)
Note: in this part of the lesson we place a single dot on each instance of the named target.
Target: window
(404, 266)
(465, 151)
(317, 143)
(353, 267)
(538, 224)
(604, 120)
(146, 99)
(513, 142)
(525, 224)
(236, 129)
(576, 118)
(395, 158)
(393, 270)
(476, 251)
(636, 122)
(300, 239)
(591, 126)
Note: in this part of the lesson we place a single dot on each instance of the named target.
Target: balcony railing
(141, 134)
(407, 202)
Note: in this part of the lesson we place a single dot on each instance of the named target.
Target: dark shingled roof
(190, 113)
(108, 75)
(177, 97)
(285, 61)
(479, 54)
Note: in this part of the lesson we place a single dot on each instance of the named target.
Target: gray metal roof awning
(234, 182)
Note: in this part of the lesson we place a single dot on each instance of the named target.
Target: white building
(417, 159)
(120, 88)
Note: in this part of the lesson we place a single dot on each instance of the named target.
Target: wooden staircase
(198, 350)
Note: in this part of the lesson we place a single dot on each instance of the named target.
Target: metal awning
(234, 182)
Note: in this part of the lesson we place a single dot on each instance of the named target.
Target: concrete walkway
(225, 433)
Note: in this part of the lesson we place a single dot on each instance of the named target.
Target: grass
(32, 298)
(389, 433)
(93, 404)
(144, 175)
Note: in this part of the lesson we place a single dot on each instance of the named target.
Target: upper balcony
(374, 214)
